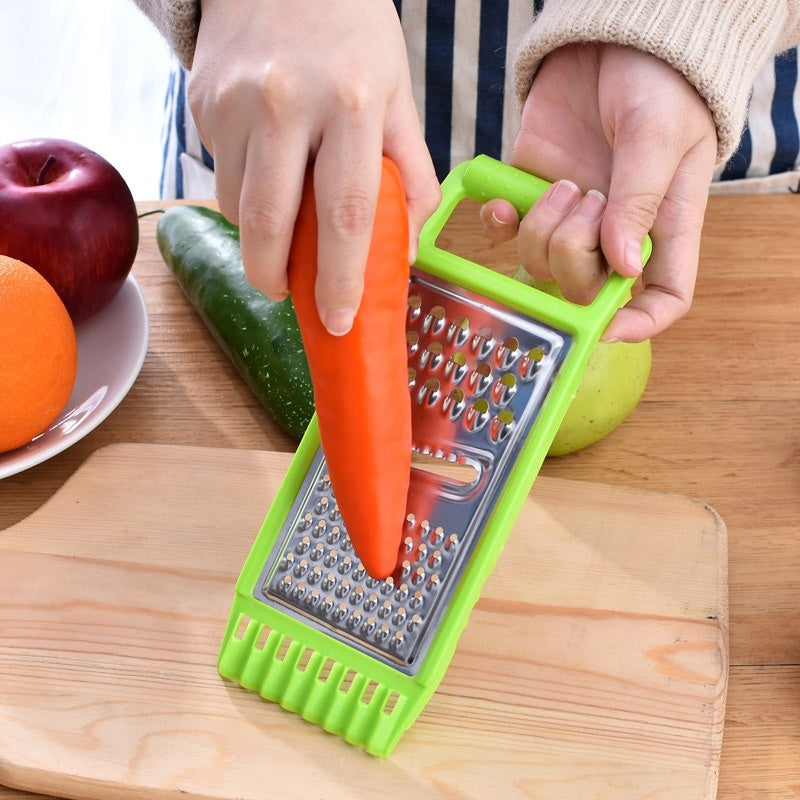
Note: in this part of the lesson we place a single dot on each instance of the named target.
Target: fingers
(267, 207)
(576, 260)
(229, 160)
(347, 173)
(500, 221)
(405, 144)
(634, 199)
(559, 238)
(650, 312)
(670, 274)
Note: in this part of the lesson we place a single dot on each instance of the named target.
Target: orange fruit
(38, 354)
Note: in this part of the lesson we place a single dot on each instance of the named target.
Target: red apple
(69, 214)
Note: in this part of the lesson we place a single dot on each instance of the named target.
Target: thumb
(639, 182)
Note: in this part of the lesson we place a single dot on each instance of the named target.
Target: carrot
(361, 379)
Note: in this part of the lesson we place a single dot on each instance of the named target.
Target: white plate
(111, 348)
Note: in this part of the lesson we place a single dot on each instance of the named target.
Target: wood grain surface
(607, 683)
(720, 421)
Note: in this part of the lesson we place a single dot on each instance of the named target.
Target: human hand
(624, 125)
(277, 84)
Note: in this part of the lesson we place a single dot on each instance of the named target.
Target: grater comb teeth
(478, 373)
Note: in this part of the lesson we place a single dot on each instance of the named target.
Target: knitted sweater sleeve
(718, 45)
(177, 21)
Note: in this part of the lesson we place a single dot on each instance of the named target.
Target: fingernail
(592, 205)
(339, 321)
(497, 221)
(562, 195)
(633, 256)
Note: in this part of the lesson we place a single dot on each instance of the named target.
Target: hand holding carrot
(276, 84)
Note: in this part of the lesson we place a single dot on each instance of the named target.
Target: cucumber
(260, 336)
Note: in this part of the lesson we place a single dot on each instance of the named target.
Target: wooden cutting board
(594, 665)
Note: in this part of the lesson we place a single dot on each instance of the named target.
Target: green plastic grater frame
(308, 628)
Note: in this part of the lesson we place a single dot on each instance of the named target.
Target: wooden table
(720, 421)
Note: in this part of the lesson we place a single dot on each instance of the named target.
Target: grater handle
(486, 178)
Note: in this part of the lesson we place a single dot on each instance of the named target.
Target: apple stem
(50, 160)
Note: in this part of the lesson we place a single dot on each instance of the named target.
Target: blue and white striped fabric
(768, 156)
(460, 55)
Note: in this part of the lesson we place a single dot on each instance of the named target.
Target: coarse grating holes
(434, 320)
(369, 692)
(480, 378)
(432, 356)
(391, 703)
(458, 332)
(263, 636)
(477, 415)
(438, 313)
(456, 367)
(305, 657)
(244, 624)
(501, 425)
(326, 670)
(530, 362)
(507, 353)
(504, 389)
(483, 342)
(284, 648)
(414, 306)
(429, 393)
(347, 681)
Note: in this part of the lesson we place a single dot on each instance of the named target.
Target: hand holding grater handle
(482, 179)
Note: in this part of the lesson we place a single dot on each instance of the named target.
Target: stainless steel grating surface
(478, 374)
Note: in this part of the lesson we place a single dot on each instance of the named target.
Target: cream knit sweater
(718, 45)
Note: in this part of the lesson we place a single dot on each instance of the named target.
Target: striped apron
(460, 55)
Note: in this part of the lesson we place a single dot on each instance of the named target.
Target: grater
(493, 365)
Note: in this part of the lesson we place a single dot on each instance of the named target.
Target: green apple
(612, 385)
